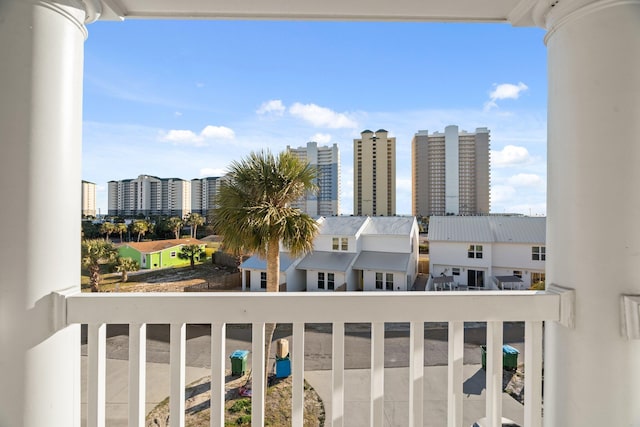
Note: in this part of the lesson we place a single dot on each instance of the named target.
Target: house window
(320, 280)
(172, 254)
(475, 251)
(389, 281)
(263, 280)
(455, 271)
(517, 273)
(335, 243)
(538, 253)
(330, 281)
(378, 280)
(345, 244)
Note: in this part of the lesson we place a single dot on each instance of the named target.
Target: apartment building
(374, 174)
(203, 194)
(88, 199)
(149, 195)
(450, 172)
(326, 161)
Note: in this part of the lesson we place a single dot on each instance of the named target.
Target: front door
(475, 278)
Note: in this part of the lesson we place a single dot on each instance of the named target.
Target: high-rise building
(450, 172)
(326, 161)
(88, 198)
(149, 195)
(374, 174)
(203, 194)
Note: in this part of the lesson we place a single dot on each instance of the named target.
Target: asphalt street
(317, 344)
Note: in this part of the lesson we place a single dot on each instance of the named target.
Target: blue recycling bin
(283, 367)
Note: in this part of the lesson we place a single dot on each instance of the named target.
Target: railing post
(258, 374)
(532, 374)
(177, 353)
(494, 374)
(218, 349)
(416, 374)
(297, 404)
(137, 373)
(377, 374)
(454, 374)
(96, 342)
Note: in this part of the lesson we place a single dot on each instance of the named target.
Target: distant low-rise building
(159, 253)
(349, 253)
(487, 252)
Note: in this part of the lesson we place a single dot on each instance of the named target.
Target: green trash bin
(239, 362)
(509, 357)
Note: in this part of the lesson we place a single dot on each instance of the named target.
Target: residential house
(488, 251)
(349, 253)
(159, 253)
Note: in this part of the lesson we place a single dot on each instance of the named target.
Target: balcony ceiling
(518, 12)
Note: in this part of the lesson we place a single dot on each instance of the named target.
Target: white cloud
(321, 138)
(274, 106)
(504, 91)
(321, 116)
(177, 114)
(199, 84)
(502, 193)
(510, 155)
(217, 132)
(188, 137)
(525, 180)
(212, 172)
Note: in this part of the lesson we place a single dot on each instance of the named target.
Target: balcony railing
(298, 309)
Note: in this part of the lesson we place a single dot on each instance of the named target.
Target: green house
(159, 253)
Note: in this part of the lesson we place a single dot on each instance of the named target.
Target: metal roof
(487, 229)
(389, 225)
(257, 263)
(382, 261)
(341, 225)
(328, 261)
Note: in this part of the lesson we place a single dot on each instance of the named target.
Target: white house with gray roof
(349, 253)
(487, 251)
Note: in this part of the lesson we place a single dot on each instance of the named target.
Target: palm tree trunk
(273, 284)
(94, 278)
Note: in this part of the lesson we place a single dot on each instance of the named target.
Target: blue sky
(185, 98)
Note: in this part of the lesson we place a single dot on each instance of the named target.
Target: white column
(41, 51)
(591, 373)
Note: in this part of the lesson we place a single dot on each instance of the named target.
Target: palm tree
(94, 253)
(194, 220)
(190, 252)
(121, 228)
(125, 265)
(107, 228)
(175, 224)
(254, 212)
(140, 227)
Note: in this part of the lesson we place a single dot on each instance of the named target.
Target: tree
(175, 225)
(194, 220)
(121, 228)
(140, 227)
(107, 228)
(190, 252)
(254, 212)
(94, 253)
(125, 265)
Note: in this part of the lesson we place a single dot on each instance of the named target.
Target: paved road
(317, 344)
